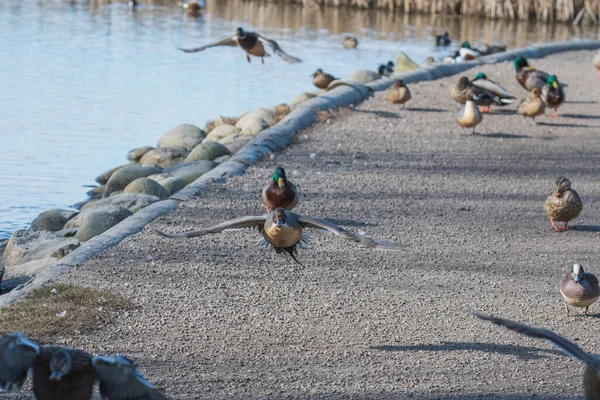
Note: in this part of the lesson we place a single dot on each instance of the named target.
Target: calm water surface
(84, 82)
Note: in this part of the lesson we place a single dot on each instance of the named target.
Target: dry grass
(36, 315)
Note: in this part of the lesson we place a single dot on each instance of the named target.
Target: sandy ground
(221, 318)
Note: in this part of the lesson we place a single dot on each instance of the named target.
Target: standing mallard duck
(564, 204)
(398, 93)
(532, 106)
(252, 43)
(65, 374)
(579, 288)
(350, 42)
(280, 192)
(529, 77)
(596, 62)
(321, 79)
(481, 80)
(553, 94)
(591, 376)
(465, 90)
(443, 40)
(283, 230)
(468, 116)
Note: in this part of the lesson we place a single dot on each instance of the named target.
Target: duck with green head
(553, 94)
(482, 81)
(579, 288)
(465, 90)
(280, 192)
(529, 77)
(467, 52)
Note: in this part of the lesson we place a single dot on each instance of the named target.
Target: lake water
(84, 82)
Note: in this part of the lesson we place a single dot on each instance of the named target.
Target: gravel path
(221, 318)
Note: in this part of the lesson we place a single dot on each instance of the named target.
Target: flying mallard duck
(66, 374)
(283, 231)
(321, 79)
(553, 94)
(591, 376)
(564, 204)
(280, 193)
(443, 40)
(350, 42)
(252, 43)
(532, 106)
(597, 63)
(398, 93)
(465, 90)
(529, 77)
(482, 81)
(579, 288)
(468, 116)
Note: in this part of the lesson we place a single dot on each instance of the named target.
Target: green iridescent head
(552, 81)
(279, 177)
(465, 45)
(521, 62)
(480, 75)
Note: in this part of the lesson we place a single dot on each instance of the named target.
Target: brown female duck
(591, 376)
(398, 93)
(563, 205)
(350, 42)
(465, 90)
(321, 79)
(532, 106)
(468, 116)
(579, 288)
(553, 94)
(65, 374)
(283, 230)
(280, 192)
(252, 43)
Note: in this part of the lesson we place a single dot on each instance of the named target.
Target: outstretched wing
(120, 380)
(17, 355)
(245, 222)
(344, 234)
(278, 50)
(224, 41)
(567, 347)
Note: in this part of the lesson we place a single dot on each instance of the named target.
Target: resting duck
(398, 93)
(252, 43)
(532, 106)
(591, 376)
(481, 80)
(464, 90)
(192, 8)
(443, 40)
(280, 192)
(350, 42)
(132, 3)
(493, 49)
(553, 94)
(283, 230)
(564, 204)
(321, 79)
(597, 63)
(65, 374)
(386, 69)
(529, 77)
(467, 52)
(579, 288)
(468, 116)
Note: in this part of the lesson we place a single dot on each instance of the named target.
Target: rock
(220, 120)
(119, 212)
(96, 192)
(27, 245)
(137, 153)
(236, 142)
(252, 125)
(263, 113)
(184, 135)
(404, 64)
(302, 97)
(95, 223)
(29, 269)
(165, 156)
(127, 174)
(133, 202)
(172, 184)
(51, 220)
(220, 132)
(281, 111)
(191, 171)
(207, 151)
(105, 176)
(222, 159)
(147, 186)
(363, 76)
(67, 232)
(63, 251)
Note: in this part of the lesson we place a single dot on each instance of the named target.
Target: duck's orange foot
(484, 109)
(598, 72)
(565, 227)
(248, 57)
(556, 228)
(554, 114)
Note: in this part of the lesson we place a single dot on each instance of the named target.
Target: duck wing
(346, 235)
(492, 87)
(564, 345)
(224, 41)
(244, 222)
(17, 356)
(278, 50)
(120, 380)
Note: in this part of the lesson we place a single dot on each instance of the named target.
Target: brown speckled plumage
(321, 79)
(398, 93)
(77, 384)
(564, 204)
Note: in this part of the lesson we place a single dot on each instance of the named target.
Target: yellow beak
(280, 182)
(555, 85)
(531, 68)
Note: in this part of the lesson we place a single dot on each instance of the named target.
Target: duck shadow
(501, 135)
(434, 110)
(581, 116)
(581, 102)
(559, 125)
(522, 352)
(379, 113)
(585, 228)
(7, 285)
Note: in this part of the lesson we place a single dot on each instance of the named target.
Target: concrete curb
(270, 140)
